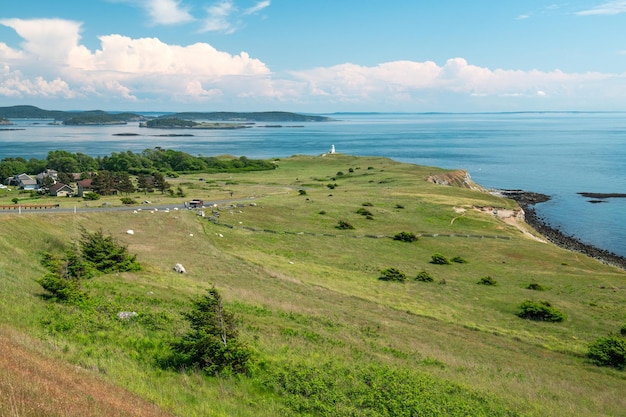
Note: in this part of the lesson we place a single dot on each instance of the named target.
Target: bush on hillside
(535, 287)
(212, 344)
(487, 281)
(540, 311)
(106, 254)
(405, 237)
(344, 225)
(608, 351)
(459, 260)
(424, 276)
(392, 274)
(439, 259)
(622, 331)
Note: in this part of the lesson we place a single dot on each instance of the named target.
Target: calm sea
(559, 154)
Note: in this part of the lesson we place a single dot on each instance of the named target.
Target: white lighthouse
(332, 149)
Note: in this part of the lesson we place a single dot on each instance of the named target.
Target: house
(61, 190)
(51, 173)
(24, 182)
(84, 186)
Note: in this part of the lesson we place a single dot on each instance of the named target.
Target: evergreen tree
(212, 343)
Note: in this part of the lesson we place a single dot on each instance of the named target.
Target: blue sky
(314, 56)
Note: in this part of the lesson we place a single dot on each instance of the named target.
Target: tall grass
(325, 330)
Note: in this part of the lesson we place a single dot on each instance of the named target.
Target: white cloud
(608, 8)
(123, 67)
(226, 17)
(51, 63)
(257, 7)
(167, 12)
(218, 18)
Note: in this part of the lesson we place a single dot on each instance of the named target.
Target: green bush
(487, 281)
(367, 204)
(392, 274)
(535, 287)
(212, 345)
(66, 290)
(608, 351)
(622, 331)
(424, 276)
(128, 200)
(405, 237)
(540, 311)
(344, 225)
(105, 254)
(364, 212)
(439, 259)
(91, 196)
(459, 260)
(302, 192)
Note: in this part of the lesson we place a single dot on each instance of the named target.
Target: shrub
(66, 290)
(399, 206)
(364, 212)
(608, 351)
(91, 196)
(344, 225)
(322, 212)
(487, 281)
(392, 274)
(350, 170)
(459, 260)
(535, 287)
(212, 345)
(105, 254)
(367, 204)
(424, 276)
(331, 186)
(405, 237)
(540, 311)
(128, 200)
(439, 259)
(622, 331)
(339, 174)
(302, 192)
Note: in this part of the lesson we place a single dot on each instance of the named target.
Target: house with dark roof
(61, 190)
(84, 186)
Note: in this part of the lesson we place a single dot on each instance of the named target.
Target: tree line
(148, 162)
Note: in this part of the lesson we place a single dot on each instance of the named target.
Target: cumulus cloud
(608, 8)
(51, 63)
(123, 67)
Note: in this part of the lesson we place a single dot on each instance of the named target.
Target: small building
(84, 186)
(24, 182)
(61, 190)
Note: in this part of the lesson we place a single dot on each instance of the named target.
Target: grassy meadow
(329, 337)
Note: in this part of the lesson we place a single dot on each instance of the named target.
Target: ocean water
(559, 154)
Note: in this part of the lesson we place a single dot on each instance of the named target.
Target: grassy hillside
(330, 338)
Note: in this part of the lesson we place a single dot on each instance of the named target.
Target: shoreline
(527, 200)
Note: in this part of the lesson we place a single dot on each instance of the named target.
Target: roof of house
(59, 186)
(85, 183)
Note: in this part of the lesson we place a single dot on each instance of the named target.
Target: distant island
(269, 116)
(175, 123)
(100, 117)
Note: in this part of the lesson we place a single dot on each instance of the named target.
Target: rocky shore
(527, 201)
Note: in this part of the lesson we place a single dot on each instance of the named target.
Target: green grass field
(330, 338)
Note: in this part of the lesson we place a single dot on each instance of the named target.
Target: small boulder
(180, 269)
(125, 315)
